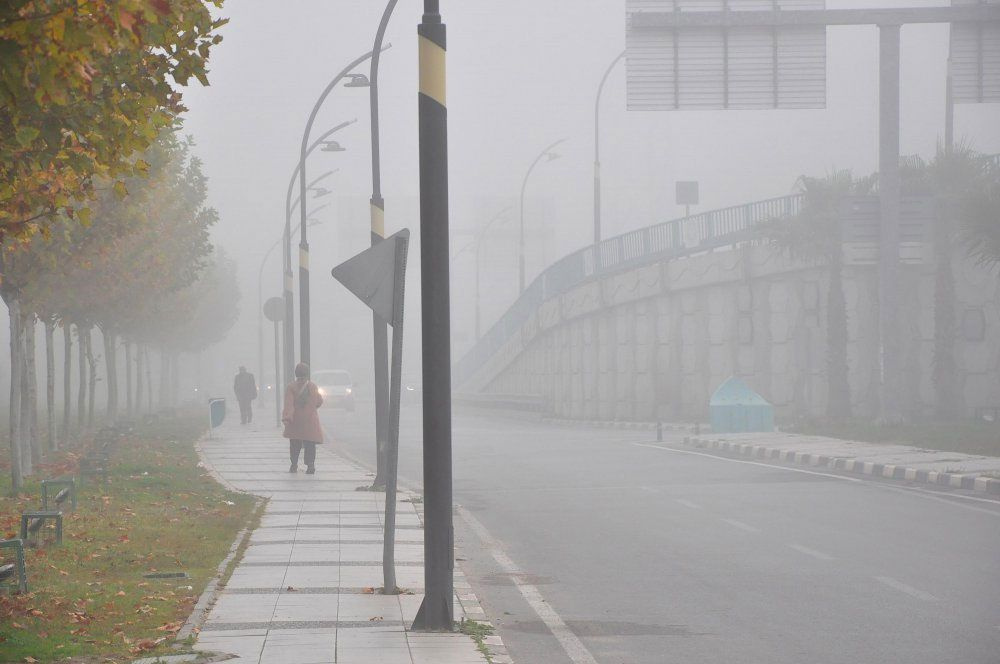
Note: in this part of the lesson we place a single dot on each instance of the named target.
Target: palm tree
(965, 187)
(979, 215)
(814, 235)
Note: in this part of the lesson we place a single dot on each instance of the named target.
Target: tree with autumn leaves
(144, 272)
(90, 91)
(85, 86)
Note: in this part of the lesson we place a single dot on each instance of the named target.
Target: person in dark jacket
(245, 388)
(301, 419)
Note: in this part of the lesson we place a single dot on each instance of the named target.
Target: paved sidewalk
(903, 462)
(303, 591)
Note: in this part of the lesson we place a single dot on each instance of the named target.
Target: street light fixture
(548, 155)
(333, 146)
(358, 80)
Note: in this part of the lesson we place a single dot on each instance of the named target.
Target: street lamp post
(289, 318)
(549, 156)
(436, 612)
(356, 81)
(597, 154)
(380, 336)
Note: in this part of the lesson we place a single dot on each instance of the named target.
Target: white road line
(570, 643)
(752, 463)
(687, 503)
(742, 526)
(810, 552)
(904, 588)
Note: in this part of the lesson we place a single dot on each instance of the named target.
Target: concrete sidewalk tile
(365, 607)
(256, 577)
(306, 607)
(327, 576)
(246, 647)
(243, 608)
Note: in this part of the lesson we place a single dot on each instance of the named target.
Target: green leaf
(85, 215)
(120, 189)
(26, 136)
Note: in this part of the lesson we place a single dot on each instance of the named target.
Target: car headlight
(322, 392)
(348, 391)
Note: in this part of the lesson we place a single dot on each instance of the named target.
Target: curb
(621, 424)
(970, 482)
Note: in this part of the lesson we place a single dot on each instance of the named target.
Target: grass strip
(159, 513)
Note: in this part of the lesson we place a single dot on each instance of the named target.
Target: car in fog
(336, 387)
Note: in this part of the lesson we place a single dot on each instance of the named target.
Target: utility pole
(436, 611)
(597, 152)
(379, 328)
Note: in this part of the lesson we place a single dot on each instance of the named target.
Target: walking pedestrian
(301, 419)
(245, 388)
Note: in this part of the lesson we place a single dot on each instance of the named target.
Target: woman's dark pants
(293, 451)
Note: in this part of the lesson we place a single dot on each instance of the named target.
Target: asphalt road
(615, 549)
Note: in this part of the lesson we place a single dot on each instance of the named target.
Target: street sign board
(274, 309)
(687, 192)
(975, 58)
(723, 67)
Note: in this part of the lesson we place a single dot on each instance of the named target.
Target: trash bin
(735, 408)
(216, 412)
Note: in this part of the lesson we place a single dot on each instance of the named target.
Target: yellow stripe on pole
(303, 258)
(432, 71)
(378, 220)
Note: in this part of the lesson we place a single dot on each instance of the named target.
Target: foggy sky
(522, 74)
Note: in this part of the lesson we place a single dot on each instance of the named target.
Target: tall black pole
(377, 205)
(436, 611)
(889, 188)
(286, 274)
(278, 392)
(597, 152)
(304, 347)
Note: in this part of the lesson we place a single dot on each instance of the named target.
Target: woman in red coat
(302, 429)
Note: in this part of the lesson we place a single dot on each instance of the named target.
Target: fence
(664, 241)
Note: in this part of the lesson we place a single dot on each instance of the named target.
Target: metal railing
(664, 241)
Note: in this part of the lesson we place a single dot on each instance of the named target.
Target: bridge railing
(664, 241)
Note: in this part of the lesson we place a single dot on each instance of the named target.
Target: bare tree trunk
(175, 381)
(30, 402)
(16, 361)
(81, 399)
(162, 400)
(67, 378)
(92, 376)
(149, 378)
(129, 403)
(138, 377)
(111, 371)
(50, 382)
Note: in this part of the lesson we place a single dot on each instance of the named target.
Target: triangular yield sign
(371, 275)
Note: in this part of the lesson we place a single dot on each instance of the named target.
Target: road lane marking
(571, 644)
(810, 552)
(904, 588)
(742, 526)
(752, 463)
(687, 503)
